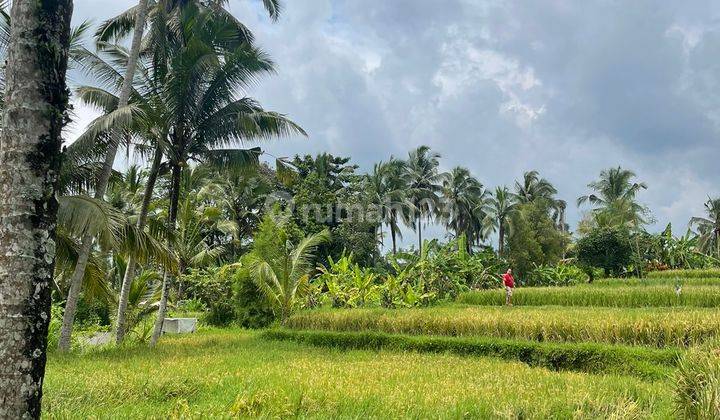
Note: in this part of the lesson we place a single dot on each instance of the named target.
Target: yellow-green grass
(588, 295)
(643, 362)
(703, 273)
(232, 373)
(657, 327)
(656, 281)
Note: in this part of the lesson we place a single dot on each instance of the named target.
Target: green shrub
(213, 287)
(92, 312)
(680, 274)
(697, 385)
(557, 275)
(346, 285)
(586, 295)
(534, 239)
(657, 327)
(608, 248)
(251, 307)
(584, 357)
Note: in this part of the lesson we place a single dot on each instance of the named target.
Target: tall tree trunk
(35, 103)
(120, 328)
(501, 238)
(419, 224)
(172, 218)
(87, 240)
(392, 233)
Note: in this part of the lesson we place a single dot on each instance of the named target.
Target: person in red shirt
(509, 283)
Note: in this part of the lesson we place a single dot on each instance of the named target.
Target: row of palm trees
(414, 191)
(418, 192)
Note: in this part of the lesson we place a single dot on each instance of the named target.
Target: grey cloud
(564, 87)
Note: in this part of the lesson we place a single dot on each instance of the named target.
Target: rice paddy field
(614, 349)
(234, 373)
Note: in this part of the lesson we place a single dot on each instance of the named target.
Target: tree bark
(172, 218)
(501, 238)
(101, 187)
(35, 104)
(120, 327)
(419, 224)
(392, 233)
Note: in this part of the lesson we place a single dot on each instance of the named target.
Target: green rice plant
(231, 373)
(657, 327)
(706, 273)
(629, 297)
(582, 357)
(697, 385)
(672, 281)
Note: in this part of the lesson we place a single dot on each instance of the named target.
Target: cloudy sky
(501, 87)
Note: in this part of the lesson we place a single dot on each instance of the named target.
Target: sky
(567, 88)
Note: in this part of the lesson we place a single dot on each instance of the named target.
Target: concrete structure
(179, 325)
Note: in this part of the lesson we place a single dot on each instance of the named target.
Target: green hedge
(618, 297)
(582, 357)
(707, 273)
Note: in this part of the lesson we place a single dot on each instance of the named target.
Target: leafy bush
(346, 285)
(658, 327)
(92, 312)
(213, 287)
(697, 385)
(448, 270)
(406, 280)
(558, 275)
(252, 309)
(608, 248)
(619, 297)
(534, 239)
(583, 357)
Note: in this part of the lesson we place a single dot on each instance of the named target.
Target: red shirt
(508, 280)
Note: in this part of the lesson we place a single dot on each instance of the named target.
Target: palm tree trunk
(172, 218)
(162, 310)
(87, 240)
(419, 224)
(35, 104)
(130, 269)
(392, 233)
(501, 238)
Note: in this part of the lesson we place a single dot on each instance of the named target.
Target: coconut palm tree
(708, 227)
(615, 195)
(205, 111)
(499, 210)
(143, 122)
(533, 187)
(424, 179)
(240, 196)
(464, 199)
(282, 271)
(390, 186)
(34, 111)
(104, 177)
